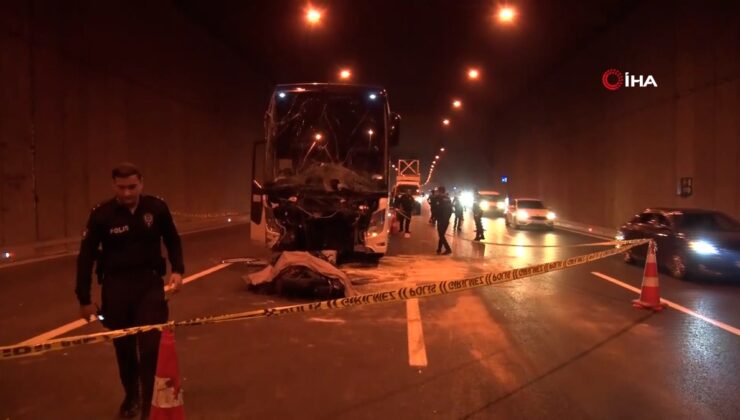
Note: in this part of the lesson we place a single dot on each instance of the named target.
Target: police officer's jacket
(130, 242)
(444, 207)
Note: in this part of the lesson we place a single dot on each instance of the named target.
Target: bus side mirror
(394, 134)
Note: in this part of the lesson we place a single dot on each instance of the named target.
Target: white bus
(320, 177)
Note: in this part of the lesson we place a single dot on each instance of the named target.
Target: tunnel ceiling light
(506, 14)
(313, 16)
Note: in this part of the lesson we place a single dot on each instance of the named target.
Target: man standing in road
(458, 207)
(433, 201)
(404, 209)
(128, 230)
(444, 211)
(477, 216)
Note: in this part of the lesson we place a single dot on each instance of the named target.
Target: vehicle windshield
(530, 204)
(709, 221)
(319, 138)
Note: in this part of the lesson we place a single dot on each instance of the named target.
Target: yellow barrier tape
(604, 243)
(442, 287)
(206, 215)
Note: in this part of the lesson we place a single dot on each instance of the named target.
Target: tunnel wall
(87, 84)
(598, 156)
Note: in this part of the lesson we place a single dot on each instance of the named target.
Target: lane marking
(328, 320)
(417, 348)
(56, 332)
(719, 324)
(80, 322)
(200, 274)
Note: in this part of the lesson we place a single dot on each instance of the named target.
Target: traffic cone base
(639, 304)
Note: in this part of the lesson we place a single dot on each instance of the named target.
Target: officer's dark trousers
(131, 299)
(405, 219)
(442, 226)
(458, 221)
(478, 228)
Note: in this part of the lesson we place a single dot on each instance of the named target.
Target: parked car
(690, 241)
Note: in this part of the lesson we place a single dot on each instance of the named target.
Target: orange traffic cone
(650, 293)
(167, 399)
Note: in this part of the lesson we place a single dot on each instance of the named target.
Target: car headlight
(467, 198)
(619, 236)
(501, 205)
(484, 205)
(419, 199)
(703, 247)
(522, 214)
(550, 215)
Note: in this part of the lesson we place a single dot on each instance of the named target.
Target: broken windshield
(332, 139)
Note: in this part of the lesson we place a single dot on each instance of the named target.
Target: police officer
(444, 211)
(123, 234)
(477, 216)
(404, 209)
(458, 207)
(433, 201)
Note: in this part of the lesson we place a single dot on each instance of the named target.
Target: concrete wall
(86, 84)
(599, 156)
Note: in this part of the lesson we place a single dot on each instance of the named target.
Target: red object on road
(650, 293)
(395, 224)
(167, 401)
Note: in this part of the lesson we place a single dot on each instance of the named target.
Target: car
(529, 212)
(691, 242)
(492, 203)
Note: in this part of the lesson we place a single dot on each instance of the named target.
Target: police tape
(423, 290)
(207, 215)
(253, 262)
(591, 244)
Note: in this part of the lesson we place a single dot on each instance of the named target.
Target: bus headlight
(485, 205)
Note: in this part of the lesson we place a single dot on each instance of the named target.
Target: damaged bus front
(321, 176)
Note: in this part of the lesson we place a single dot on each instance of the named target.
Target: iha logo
(613, 79)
